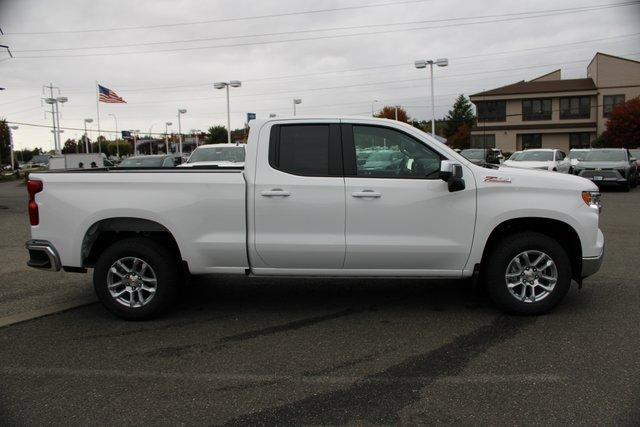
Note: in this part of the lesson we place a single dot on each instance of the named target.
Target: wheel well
(106, 232)
(560, 231)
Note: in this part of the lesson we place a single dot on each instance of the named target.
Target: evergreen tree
(461, 113)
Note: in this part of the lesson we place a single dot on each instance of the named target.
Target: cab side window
(306, 150)
(387, 153)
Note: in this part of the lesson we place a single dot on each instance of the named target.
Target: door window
(387, 153)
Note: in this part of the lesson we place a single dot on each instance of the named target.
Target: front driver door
(401, 218)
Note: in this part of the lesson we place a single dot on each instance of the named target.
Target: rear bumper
(43, 255)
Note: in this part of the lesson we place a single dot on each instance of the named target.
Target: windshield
(515, 156)
(606, 156)
(578, 154)
(218, 154)
(473, 153)
(535, 156)
(141, 162)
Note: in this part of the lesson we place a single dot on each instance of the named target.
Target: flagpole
(98, 115)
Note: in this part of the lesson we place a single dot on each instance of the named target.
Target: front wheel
(136, 278)
(527, 273)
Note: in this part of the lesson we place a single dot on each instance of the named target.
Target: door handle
(366, 193)
(275, 192)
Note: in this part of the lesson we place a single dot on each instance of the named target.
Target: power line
(219, 20)
(354, 27)
(378, 32)
(591, 107)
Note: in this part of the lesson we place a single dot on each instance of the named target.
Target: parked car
(303, 206)
(635, 153)
(577, 154)
(541, 158)
(220, 155)
(609, 166)
(481, 156)
(151, 161)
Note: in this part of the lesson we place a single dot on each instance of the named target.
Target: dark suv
(609, 166)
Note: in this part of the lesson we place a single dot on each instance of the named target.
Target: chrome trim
(591, 265)
(49, 250)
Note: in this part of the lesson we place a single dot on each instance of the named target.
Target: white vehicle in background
(542, 159)
(78, 161)
(220, 155)
(577, 155)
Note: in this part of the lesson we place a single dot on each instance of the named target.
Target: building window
(492, 111)
(579, 140)
(609, 102)
(575, 107)
(536, 109)
(483, 141)
(533, 140)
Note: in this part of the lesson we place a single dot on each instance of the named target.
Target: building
(551, 112)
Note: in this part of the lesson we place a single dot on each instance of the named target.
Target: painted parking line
(45, 311)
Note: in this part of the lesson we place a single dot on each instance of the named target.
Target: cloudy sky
(338, 56)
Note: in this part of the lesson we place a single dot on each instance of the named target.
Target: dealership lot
(321, 352)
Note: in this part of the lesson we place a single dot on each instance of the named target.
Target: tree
(5, 143)
(425, 126)
(460, 114)
(623, 127)
(70, 146)
(216, 135)
(389, 112)
(461, 138)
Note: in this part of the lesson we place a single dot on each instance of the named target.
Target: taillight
(33, 187)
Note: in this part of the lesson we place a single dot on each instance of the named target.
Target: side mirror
(451, 173)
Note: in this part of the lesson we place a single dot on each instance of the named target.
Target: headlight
(592, 198)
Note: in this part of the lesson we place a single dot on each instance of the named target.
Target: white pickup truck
(305, 205)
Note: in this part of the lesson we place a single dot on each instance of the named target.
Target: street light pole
(296, 101)
(422, 63)
(180, 112)
(14, 127)
(87, 147)
(225, 85)
(373, 103)
(166, 135)
(115, 119)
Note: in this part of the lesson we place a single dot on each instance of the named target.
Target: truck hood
(528, 165)
(602, 165)
(529, 178)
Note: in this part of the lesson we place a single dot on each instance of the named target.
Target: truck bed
(204, 209)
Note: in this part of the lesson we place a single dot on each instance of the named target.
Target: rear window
(308, 150)
(141, 162)
(217, 154)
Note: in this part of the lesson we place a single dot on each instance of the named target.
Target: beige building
(549, 112)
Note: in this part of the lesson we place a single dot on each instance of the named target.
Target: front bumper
(591, 265)
(43, 255)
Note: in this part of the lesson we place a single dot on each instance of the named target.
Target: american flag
(109, 96)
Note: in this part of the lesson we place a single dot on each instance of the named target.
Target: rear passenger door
(299, 199)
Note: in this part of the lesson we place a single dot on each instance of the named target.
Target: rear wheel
(136, 278)
(527, 273)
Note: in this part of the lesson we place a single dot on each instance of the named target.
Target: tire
(501, 261)
(626, 187)
(141, 303)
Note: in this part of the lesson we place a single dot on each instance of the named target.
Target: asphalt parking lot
(274, 351)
